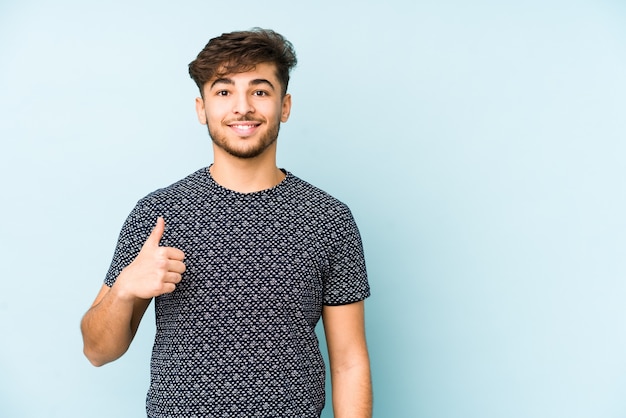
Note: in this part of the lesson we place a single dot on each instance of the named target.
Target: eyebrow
(255, 82)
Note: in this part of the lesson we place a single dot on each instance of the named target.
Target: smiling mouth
(244, 126)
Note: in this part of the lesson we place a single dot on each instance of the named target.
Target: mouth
(244, 128)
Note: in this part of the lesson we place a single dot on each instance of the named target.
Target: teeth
(243, 126)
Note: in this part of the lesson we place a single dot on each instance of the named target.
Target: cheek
(213, 115)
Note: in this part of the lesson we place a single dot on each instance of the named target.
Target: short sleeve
(134, 233)
(347, 280)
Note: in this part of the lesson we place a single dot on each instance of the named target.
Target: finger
(168, 288)
(157, 233)
(172, 278)
(174, 253)
(175, 266)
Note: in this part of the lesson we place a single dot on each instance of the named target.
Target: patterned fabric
(237, 337)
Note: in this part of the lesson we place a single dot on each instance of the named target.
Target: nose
(242, 105)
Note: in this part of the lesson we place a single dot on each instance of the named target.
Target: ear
(200, 110)
(286, 108)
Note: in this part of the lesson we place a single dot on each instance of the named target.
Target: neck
(245, 175)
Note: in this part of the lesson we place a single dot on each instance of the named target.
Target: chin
(245, 152)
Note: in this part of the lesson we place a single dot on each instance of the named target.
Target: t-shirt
(237, 336)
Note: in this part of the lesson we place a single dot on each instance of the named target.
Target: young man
(242, 259)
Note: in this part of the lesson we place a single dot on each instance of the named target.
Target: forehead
(259, 71)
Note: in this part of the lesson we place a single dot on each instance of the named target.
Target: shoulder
(307, 196)
(304, 188)
(186, 187)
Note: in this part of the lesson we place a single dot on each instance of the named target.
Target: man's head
(241, 51)
(243, 78)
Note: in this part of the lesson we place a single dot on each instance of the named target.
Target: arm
(344, 327)
(111, 323)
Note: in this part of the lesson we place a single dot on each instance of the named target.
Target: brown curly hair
(241, 51)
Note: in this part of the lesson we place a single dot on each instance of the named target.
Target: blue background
(480, 146)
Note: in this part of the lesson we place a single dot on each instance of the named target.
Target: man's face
(243, 111)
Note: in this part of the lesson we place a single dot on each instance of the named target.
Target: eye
(260, 93)
(221, 93)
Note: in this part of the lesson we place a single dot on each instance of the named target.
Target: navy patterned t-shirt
(237, 336)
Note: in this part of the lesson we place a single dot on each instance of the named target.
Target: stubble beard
(254, 149)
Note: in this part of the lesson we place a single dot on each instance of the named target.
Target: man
(242, 259)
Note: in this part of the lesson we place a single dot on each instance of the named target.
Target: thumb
(157, 233)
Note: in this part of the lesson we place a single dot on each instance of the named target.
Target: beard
(252, 147)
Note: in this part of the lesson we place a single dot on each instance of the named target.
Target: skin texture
(243, 113)
(245, 160)
(344, 327)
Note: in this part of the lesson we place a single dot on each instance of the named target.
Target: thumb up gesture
(156, 270)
